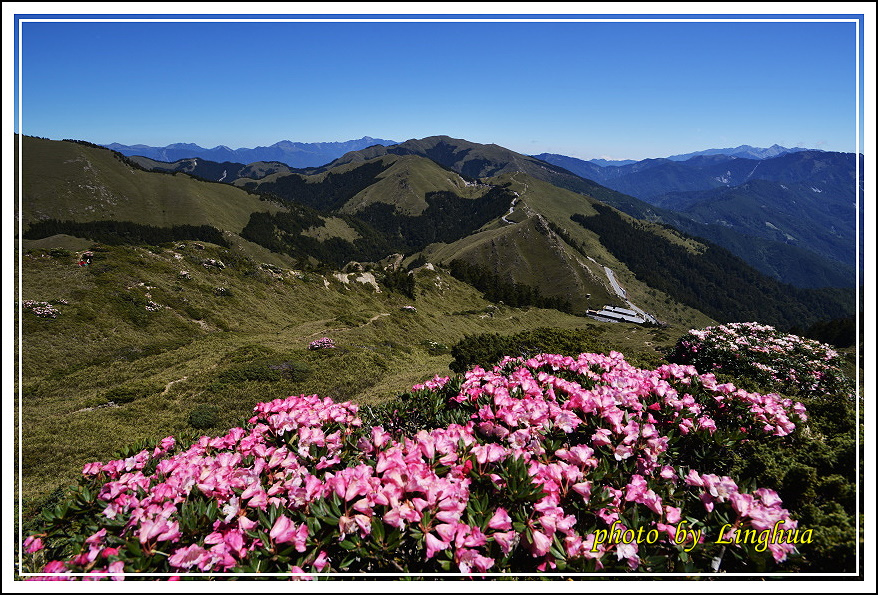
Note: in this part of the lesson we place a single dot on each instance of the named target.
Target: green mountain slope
(711, 278)
(406, 182)
(792, 216)
(71, 181)
(518, 228)
(550, 242)
(476, 160)
(774, 257)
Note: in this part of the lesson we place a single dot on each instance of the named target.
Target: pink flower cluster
(322, 343)
(560, 419)
(434, 383)
(41, 309)
(761, 510)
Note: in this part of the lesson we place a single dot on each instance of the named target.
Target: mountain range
(799, 228)
(792, 216)
(301, 155)
(517, 220)
(742, 151)
(745, 151)
(294, 154)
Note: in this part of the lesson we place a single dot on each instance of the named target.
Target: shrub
(203, 417)
(548, 456)
(292, 370)
(265, 370)
(353, 319)
(815, 475)
(322, 343)
(151, 306)
(195, 312)
(131, 391)
(434, 347)
(487, 349)
(41, 309)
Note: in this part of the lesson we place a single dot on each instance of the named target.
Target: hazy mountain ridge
(293, 154)
(745, 151)
(649, 179)
(742, 151)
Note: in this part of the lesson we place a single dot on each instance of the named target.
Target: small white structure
(614, 314)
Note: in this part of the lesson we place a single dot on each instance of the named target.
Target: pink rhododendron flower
(540, 544)
(188, 556)
(33, 544)
(500, 520)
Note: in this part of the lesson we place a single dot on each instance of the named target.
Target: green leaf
(348, 545)
(134, 548)
(378, 528)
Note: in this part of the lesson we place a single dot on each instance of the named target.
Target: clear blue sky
(615, 90)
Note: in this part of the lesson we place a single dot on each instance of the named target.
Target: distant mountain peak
(745, 151)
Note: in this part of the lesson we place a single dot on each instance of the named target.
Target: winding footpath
(514, 200)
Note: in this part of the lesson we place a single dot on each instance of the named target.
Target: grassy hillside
(406, 183)
(70, 181)
(529, 254)
(476, 160)
(769, 254)
(713, 280)
(541, 247)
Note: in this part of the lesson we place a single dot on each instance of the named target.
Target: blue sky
(614, 90)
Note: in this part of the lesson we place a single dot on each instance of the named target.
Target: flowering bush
(555, 463)
(775, 360)
(816, 471)
(322, 343)
(41, 309)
